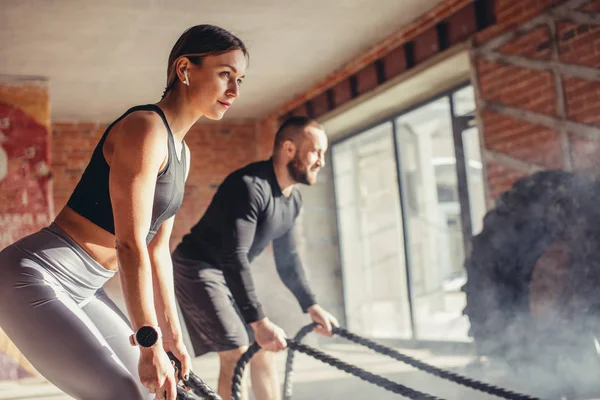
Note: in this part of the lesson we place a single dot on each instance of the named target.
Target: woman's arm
(162, 282)
(164, 295)
(139, 151)
(162, 276)
(164, 289)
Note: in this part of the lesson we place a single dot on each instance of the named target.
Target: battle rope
(236, 387)
(289, 372)
(378, 348)
(194, 388)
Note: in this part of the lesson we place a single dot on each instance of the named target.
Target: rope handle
(194, 388)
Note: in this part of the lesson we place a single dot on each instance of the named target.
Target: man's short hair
(291, 129)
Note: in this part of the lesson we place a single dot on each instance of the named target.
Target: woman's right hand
(268, 335)
(157, 372)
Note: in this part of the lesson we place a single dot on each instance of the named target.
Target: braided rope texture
(334, 362)
(238, 372)
(451, 376)
(289, 372)
(462, 380)
(361, 373)
(198, 389)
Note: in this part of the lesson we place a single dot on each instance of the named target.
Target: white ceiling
(102, 56)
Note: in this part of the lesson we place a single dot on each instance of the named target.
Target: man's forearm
(292, 274)
(164, 295)
(239, 280)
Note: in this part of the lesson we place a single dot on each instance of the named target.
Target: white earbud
(187, 82)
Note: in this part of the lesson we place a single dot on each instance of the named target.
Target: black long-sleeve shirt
(247, 212)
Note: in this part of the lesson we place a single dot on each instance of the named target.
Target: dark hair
(292, 127)
(200, 41)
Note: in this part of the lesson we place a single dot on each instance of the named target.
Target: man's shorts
(212, 318)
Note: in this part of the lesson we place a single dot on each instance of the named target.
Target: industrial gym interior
(445, 224)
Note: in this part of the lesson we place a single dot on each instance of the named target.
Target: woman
(120, 216)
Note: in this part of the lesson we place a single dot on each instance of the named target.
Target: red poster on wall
(25, 203)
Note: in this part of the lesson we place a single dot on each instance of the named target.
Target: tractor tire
(546, 224)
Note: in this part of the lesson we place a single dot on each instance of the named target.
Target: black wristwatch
(146, 336)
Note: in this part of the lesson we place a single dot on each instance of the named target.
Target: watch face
(146, 336)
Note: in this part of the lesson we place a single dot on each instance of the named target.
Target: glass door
(371, 234)
(409, 197)
(433, 221)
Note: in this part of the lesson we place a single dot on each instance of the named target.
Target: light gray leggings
(53, 307)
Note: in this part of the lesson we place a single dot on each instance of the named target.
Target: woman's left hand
(180, 352)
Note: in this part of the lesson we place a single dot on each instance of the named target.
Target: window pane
(475, 180)
(371, 238)
(434, 221)
(464, 100)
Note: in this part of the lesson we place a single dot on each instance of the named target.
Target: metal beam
(561, 106)
(489, 201)
(578, 71)
(579, 17)
(557, 124)
(506, 37)
(511, 162)
(563, 10)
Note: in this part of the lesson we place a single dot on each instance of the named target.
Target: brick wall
(523, 138)
(72, 146)
(531, 144)
(25, 190)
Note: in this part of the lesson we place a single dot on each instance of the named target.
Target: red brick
(518, 87)
(426, 45)
(586, 155)
(320, 104)
(367, 79)
(462, 24)
(534, 44)
(511, 13)
(342, 93)
(579, 44)
(301, 110)
(501, 178)
(265, 133)
(592, 6)
(583, 100)
(72, 147)
(522, 140)
(394, 62)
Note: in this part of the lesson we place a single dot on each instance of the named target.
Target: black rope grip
(194, 388)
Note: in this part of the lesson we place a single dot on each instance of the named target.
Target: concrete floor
(314, 380)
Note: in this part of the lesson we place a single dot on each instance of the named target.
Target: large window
(370, 227)
(407, 209)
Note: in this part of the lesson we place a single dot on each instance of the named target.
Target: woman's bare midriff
(97, 242)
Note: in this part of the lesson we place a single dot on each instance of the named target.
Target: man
(253, 206)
